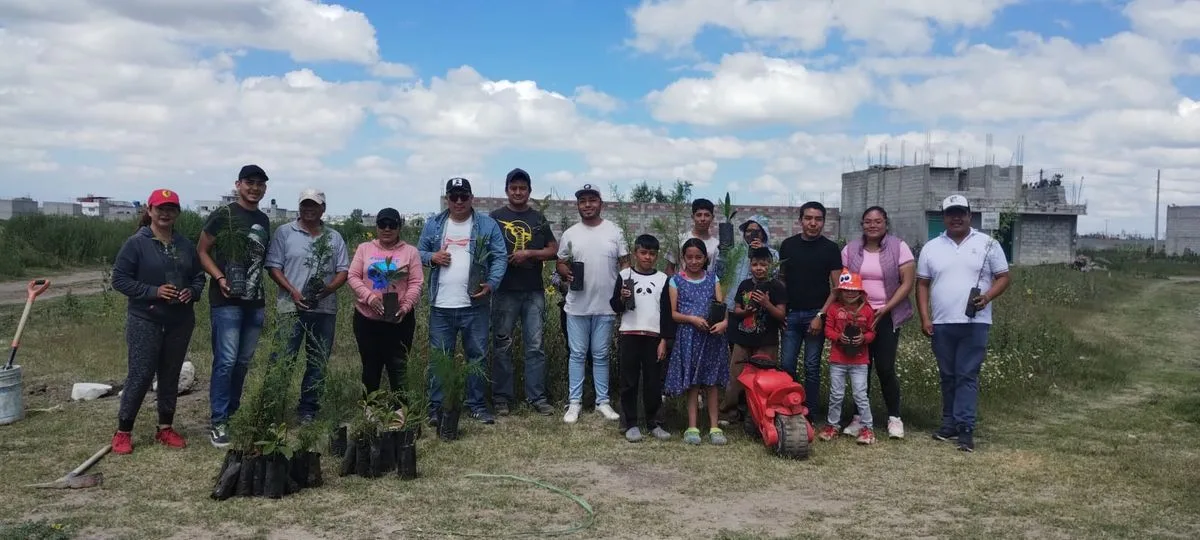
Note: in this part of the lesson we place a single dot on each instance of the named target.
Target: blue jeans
(445, 325)
(530, 308)
(594, 333)
(235, 332)
(795, 336)
(315, 330)
(960, 349)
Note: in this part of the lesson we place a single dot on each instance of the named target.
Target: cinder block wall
(1183, 229)
(1044, 239)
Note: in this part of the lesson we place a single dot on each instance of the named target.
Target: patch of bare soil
(83, 282)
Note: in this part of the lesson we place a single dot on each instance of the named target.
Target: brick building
(784, 220)
(1183, 230)
(1043, 226)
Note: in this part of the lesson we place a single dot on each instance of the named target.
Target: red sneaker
(170, 438)
(866, 436)
(828, 433)
(122, 443)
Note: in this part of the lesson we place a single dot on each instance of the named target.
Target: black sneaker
(966, 440)
(434, 417)
(218, 437)
(502, 408)
(543, 408)
(483, 416)
(945, 434)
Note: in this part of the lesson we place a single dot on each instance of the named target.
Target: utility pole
(1157, 204)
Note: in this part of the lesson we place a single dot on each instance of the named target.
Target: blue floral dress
(698, 358)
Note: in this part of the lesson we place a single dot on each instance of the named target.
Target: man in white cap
(309, 263)
(959, 274)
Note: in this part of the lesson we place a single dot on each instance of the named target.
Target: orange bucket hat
(850, 281)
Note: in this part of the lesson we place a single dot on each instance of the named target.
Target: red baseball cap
(160, 197)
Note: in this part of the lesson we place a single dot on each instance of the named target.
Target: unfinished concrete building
(1043, 221)
(1183, 230)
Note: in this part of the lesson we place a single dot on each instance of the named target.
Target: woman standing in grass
(158, 269)
(888, 272)
(385, 265)
(700, 359)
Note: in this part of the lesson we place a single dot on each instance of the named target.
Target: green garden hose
(591, 514)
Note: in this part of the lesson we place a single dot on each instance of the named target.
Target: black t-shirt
(760, 328)
(256, 227)
(523, 230)
(805, 266)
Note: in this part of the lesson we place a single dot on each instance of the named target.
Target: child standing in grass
(850, 325)
(643, 337)
(700, 359)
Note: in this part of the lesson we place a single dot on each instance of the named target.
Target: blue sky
(716, 93)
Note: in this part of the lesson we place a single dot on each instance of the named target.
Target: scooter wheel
(793, 436)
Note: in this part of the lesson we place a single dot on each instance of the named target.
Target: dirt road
(79, 282)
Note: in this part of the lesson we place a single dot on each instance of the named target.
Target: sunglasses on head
(458, 197)
(388, 224)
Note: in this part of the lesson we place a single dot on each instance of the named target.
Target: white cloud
(672, 25)
(590, 97)
(392, 70)
(750, 88)
(1165, 19)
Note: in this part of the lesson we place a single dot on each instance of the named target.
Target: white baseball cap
(955, 201)
(312, 195)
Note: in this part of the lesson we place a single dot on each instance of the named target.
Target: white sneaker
(895, 427)
(572, 415)
(854, 427)
(607, 411)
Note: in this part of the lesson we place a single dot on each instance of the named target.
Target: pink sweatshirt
(371, 254)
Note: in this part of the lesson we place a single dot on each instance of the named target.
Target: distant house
(20, 206)
(62, 208)
(107, 208)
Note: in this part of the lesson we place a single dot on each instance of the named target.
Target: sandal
(691, 436)
(717, 437)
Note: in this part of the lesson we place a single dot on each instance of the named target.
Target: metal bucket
(12, 408)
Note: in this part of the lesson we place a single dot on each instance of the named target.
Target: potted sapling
(276, 453)
(452, 371)
(627, 283)
(717, 311)
(233, 244)
(369, 453)
(320, 255)
(576, 269)
(415, 408)
(852, 331)
(173, 273)
(480, 257)
(725, 229)
(383, 276)
(306, 462)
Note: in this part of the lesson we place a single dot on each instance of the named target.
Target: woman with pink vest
(386, 276)
(888, 270)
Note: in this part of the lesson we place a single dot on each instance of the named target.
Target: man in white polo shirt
(959, 274)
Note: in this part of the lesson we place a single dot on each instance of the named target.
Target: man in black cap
(467, 253)
(232, 249)
(521, 296)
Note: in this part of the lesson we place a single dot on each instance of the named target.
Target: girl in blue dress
(700, 359)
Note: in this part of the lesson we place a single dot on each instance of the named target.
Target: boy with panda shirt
(643, 336)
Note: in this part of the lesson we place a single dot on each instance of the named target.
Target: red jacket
(840, 316)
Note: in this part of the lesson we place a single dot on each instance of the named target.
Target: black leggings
(384, 346)
(883, 362)
(154, 349)
(640, 366)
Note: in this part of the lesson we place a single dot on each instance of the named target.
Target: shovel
(76, 479)
(33, 290)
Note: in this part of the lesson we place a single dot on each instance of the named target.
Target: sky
(377, 103)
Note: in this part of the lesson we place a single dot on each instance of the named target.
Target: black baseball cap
(587, 189)
(517, 174)
(388, 214)
(252, 171)
(458, 184)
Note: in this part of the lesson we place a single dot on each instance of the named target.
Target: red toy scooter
(776, 408)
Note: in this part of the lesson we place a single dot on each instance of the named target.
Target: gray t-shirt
(290, 248)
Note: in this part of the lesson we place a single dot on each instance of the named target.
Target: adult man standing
(530, 243)
(959, 274)
(309, 262)
(600, 245)
(234, 241)
(448, 244)
(810, 265)
(702, 219)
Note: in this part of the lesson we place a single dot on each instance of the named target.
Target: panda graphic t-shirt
(652, 305)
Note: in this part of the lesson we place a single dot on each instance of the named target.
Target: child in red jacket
(850, 325)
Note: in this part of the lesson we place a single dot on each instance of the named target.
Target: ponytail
(145, 220)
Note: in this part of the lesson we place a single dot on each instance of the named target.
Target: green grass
(1088, 424)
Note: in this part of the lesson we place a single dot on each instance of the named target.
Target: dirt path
(79, 282)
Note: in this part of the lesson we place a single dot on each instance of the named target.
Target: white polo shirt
(954, 269)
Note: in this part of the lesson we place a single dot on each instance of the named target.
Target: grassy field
(1088, 428)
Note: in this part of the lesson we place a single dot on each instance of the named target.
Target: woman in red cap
(157, 268)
